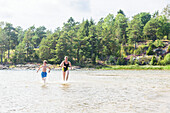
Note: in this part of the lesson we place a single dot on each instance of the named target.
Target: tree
(27, 40)
(39, 34)
(134, 31)
(3, 43)
(151, 28)
(63, 47)
(93, 43)
(144, 17)
(166, 12)
(19, 54)
(12, 37)
(121, 12)
(120, 28)
(164, 27)
(69, 25)
(108, 22)
(44, 52)
(79, 41)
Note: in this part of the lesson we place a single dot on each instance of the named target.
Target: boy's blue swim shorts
(44, 74)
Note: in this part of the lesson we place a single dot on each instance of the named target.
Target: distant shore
(136, 67)
(108, 67)
(30, 67)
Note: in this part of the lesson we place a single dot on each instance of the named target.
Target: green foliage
(120, 27)
(159, 60)
(121, 12)
(63, 47)
(121, 61)
(136, 62)
(131, 61)
(164, 27)
(153, 60)
(168, 49)
(151, 28)
(138, 51)
(134, 30)
(159, 43)
(150, 50)
(129, 49)
(44, 52)
(86, 42)
(19, 54)
(167, 59)
(111, 60)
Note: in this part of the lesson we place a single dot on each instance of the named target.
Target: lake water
(98, 91)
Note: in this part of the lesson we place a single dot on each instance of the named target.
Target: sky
(53, 13)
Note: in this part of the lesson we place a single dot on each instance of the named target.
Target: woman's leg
(67, 75)
(64, 73)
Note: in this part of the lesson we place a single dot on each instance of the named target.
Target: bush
(129, 49)
(162, 62)
(150, 50)
(144, 60)
(168, 49)
(138, 51)
(167, 59)
(131, 62)
(111, 60)
(121, 61)
(153, 60)
(159, 60)
(159, 43)
(136, 62)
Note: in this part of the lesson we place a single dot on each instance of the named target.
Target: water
(117, 91)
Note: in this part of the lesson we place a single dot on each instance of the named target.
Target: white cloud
(52, 13)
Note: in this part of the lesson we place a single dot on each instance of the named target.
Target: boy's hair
(45, 61)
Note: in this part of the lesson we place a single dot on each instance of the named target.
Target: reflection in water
(114, 91)
(65, 86)
(44, 86)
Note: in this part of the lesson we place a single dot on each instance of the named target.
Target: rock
(3, 67)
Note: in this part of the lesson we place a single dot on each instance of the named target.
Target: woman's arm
(70, 64)
(62, 63)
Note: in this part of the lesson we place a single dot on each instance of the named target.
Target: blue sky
(52, 13)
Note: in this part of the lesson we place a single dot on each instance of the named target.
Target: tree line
(84, 42)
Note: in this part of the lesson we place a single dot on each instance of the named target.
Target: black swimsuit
(66, 67)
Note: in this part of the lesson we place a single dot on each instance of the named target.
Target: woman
(65, 64)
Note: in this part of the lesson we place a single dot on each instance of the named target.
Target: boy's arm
(49, 69)
(39, 68)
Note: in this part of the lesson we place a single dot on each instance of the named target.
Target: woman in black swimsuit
(65, 64)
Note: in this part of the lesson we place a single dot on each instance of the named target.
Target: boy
(44, 73)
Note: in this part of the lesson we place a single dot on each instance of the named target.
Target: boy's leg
(67, 75)
(44, 79)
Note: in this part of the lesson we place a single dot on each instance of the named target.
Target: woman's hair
(45, 61)
(65, 57)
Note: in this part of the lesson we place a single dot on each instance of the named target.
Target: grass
(136, 67)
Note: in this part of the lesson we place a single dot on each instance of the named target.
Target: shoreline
(136, 67)
(109, 67)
